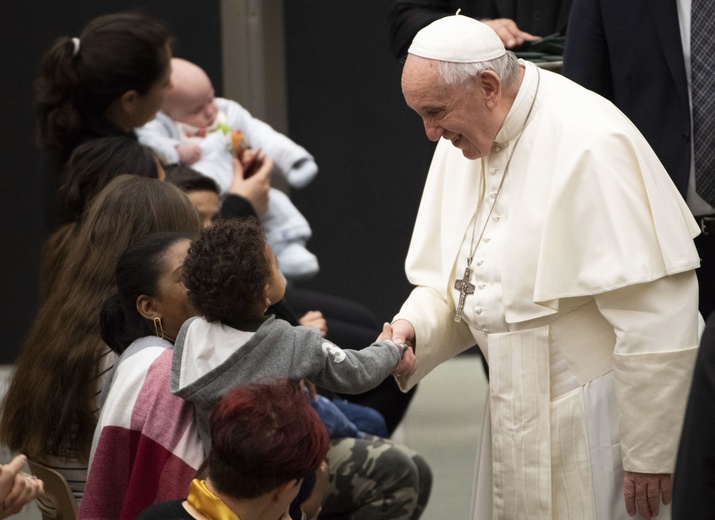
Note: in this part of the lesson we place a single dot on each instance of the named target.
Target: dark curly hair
(226, 270)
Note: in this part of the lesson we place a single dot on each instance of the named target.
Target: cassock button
(496, 218)
(480, 262)
(486, 240)
(479, 310)
(481, 285)
(494, 171)
(493, 195)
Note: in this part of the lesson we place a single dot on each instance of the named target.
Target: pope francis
(550, 235)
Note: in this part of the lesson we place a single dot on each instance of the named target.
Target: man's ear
(491, 86)
(147, 308)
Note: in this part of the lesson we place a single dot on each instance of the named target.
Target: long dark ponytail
(80, 77)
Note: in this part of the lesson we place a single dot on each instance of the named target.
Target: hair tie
(75, 42)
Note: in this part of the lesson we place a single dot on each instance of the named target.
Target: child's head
(231, 272)
(265, 437)
(202, 191)
(191, 97)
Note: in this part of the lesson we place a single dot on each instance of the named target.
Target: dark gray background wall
(344, 105)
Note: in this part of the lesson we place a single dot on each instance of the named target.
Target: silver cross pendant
(464, 288)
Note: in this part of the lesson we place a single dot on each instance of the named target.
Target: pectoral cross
(464, 288)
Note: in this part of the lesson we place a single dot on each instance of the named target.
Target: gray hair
(505, 67)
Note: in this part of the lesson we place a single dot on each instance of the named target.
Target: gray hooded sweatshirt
(211, 358)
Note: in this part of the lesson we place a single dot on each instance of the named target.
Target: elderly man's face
(455, 112)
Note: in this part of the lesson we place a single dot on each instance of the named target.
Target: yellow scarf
(208, 504)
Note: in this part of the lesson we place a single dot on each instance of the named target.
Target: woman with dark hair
(90, 168)
(108, 80)
(146, 446)
(50, 410)
(96, 162)
(265, 440)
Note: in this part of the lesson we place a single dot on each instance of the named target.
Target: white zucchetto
(457, 39)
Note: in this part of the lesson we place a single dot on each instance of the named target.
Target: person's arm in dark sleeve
(407, 17)
(586, 53)
(694, 479)
(235, 206)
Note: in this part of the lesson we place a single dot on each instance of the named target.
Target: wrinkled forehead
(419, 74)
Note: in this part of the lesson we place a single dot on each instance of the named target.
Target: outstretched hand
(254, 188)
(403, 332)
(643, 493)
(408, 363)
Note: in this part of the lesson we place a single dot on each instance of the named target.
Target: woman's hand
(254, 188)
(17, 488)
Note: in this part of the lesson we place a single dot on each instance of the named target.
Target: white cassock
(585, 303)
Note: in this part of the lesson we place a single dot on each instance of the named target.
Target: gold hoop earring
(158, 329)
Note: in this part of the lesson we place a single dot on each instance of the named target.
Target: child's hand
(310, 388)
(407, 365)
(189, 153)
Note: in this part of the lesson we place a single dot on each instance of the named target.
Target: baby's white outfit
(286, 229)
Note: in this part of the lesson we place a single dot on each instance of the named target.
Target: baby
(198, 129)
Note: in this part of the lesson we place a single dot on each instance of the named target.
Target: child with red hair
(265, 439)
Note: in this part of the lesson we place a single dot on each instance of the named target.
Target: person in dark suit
(694, 480)
(647, 78)
(515, 22)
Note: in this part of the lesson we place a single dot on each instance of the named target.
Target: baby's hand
(407, 365)
(189, 153)
(302, 172)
